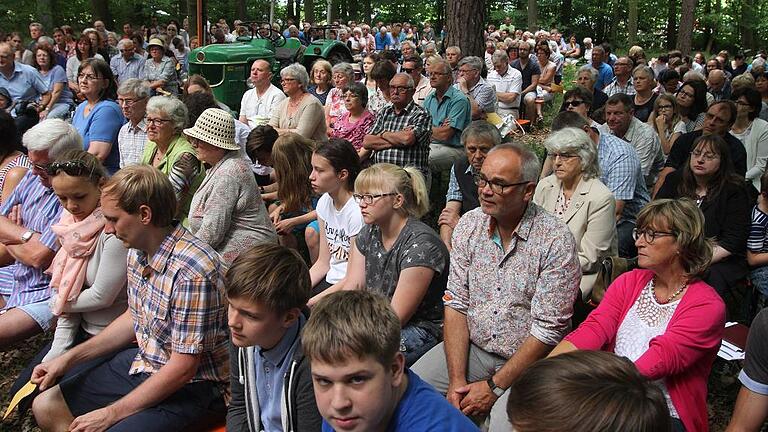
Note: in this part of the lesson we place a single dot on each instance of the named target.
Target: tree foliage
(718, 24)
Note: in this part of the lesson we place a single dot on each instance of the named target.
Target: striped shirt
(131, 141)
(40, 208)
(177, 303)
(758, 232)
(414, 117)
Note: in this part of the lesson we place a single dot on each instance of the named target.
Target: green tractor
(227, 66)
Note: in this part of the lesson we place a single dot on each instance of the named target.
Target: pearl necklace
(669, 299)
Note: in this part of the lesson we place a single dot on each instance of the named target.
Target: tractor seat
(286, 55)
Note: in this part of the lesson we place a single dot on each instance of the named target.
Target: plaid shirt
(177, 303)
(412, 116)
(130, 142)
(40, 208)
(621, 172)
(614, 87)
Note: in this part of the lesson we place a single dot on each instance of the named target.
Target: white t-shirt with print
(340, 227)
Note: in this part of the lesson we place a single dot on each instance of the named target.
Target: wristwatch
(26, 236)
(498, 391)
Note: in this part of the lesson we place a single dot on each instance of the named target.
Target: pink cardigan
(683, 355)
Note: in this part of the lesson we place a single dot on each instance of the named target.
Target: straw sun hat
(215, 127)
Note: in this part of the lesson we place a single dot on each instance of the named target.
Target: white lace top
(645, 320)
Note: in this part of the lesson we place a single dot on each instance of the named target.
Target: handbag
(610, 268)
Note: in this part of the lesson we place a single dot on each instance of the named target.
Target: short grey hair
(473, 61)
(499, 57)
(530, 169)
(575, 140)
(135, 87)
(431, 46)
(693, 75)
(411, 82)
(643, 69)
(442, 63)
(481, 130)
(297, 72)
(46, 39)
(123, 42)
(54, 136)
(408, 43)
(344, 68)
(592, 72)
(454, 48)
(170, 106)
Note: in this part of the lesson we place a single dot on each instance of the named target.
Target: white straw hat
(215, 127)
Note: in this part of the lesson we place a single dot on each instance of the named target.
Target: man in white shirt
(257, 103)
(414, 66)
(508, 82)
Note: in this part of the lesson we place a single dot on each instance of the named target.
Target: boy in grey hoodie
(268, 287)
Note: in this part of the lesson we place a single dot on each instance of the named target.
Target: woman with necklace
(709, 179)
(644, 81)
(575, 194)
(663, 317)
(300, 112)
(354, 124)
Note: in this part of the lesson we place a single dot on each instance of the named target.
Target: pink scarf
(70, 265)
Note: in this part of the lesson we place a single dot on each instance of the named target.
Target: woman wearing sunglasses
(663, 317)
(398, 256)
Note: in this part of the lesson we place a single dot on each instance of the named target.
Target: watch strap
(498, 391)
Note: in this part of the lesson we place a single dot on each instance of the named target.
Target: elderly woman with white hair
(586, 77)
(574, 193)
(169, 151)
(300, 112)
(343, 75)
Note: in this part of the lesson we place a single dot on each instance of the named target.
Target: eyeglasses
(467, 70)
(565, 156)
(708, 156)
(574, 103)
(398, 89)
(649, 234)
(408, 71)
(87, 77)
(157, 121)
(75, 168)
(681, 92)
(438, 74)
(287, 80)
(368, 199)
(128, 101)
(742, 103)
(496, 187)
(41, 167)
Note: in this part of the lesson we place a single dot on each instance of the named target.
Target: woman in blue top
(98, 119)
(55, 77)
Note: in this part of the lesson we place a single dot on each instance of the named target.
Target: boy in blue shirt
(361, 384)
(268, 287)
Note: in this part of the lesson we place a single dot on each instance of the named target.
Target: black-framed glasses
(157, 121)
(574, 103)
(649, 234)
(128, 101)
(496, 187)
(87, 77)
(368, 199)
(41, 167)
(708, 156)
(398, 89)
(74, 167)
(408, 71)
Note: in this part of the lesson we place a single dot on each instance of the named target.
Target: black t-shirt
(531, 69)
(756, 359)
(684, 145)
(642, 112)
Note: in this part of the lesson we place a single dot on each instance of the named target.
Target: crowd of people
(174, 248)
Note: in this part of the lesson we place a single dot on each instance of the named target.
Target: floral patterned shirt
(507, 295)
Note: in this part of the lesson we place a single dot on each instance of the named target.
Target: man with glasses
(29, 243)
(719, 119)
(401, 133)
(450, 112)
(622, 79)
(414, 66)
(128, 64)
(482, 97)
(620, 171)
(25, 85)
(508, 82)
(514, 278)
(132, 95)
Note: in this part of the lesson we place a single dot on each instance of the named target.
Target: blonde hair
(408, 182)
(292, 160)
(139, 185)
(321, 64)
(685, 220)
(349, 324)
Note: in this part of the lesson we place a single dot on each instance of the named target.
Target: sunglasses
(574, 104)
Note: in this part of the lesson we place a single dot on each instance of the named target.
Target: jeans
(415, 341)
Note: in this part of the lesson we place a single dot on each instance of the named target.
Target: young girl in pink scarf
(88, 273)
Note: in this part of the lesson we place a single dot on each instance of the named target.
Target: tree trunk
(687, 9)
(671, 24)
(613, 26)
(566, 10)
(369, 12)
(353, 12)
(101, 12)
(632, 22)
(465, 20)
(290, 12)
(747, 24)
(45, 11)
(533, 15)
(240, 10)
(439, 18)
(309, 11)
